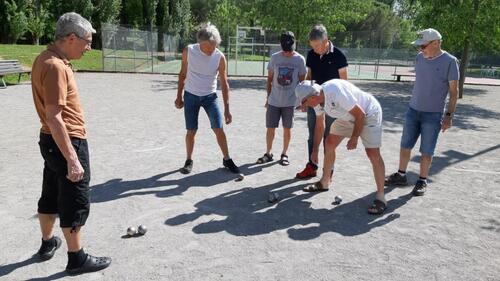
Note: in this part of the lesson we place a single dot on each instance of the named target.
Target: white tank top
(202, 71)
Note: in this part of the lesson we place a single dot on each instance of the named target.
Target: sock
(76, 259)
(48, 244)
(403, 173)
(422, 179)
(380, 197)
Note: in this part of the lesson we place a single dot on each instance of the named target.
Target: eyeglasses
(89, 42)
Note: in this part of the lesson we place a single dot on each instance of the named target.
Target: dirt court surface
(206, 226)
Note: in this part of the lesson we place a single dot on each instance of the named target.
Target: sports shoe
(188, 167)
(49, 248)
(308, 172)
(396, 179)
(420, 188)
(91, 264)
(230, 165)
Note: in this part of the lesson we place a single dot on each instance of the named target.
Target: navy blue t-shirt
(326, 67)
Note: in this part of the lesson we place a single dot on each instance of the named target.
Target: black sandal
(315, 187)
(266, 158)
(284, 160)
(377, 208)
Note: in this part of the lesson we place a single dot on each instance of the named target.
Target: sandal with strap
(266, 158)
(284, 160)
(315, 187)
(377, 208)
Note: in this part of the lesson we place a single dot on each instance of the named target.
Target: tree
(17, 21)
(106, 11)
(38, 18)
(466, 26)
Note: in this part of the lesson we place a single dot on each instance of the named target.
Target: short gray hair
(73, 23)
(208, 32)
(318, 32)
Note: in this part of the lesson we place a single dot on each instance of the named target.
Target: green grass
(26, 54)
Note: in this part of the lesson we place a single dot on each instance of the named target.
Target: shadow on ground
(117, 188)
(247, 212)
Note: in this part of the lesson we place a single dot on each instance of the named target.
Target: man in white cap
(436, 74)
(358, 115)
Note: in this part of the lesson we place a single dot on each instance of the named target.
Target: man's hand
(75, 171)
(267, 102)
(179, 103)
(352, 143)
(228, 116)
(447, 121)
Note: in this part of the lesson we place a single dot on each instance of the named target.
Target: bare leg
(73, 239)
(287, 135)
(222, 141)
(47, 225)
(378, 170)
(404, 158)
(331, 143)
(425, 164)
(190, 143)
(269, 139)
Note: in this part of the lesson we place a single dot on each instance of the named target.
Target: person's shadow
(118, 188)
(9, 268)
(247, 212)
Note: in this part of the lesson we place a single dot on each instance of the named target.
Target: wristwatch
(449, 114)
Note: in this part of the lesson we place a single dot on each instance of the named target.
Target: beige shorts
(371, 135)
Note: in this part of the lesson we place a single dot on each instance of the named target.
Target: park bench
(399, 75)
(11, 67)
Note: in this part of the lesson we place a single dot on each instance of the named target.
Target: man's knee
(190, 133)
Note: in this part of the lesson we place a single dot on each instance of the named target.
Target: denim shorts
(425, 125)
(71, 200)
(273, 115)
(210, 104)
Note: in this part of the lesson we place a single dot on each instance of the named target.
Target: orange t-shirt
(53, 83)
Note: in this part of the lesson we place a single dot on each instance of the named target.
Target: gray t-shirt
(286, 77)
(431, 82)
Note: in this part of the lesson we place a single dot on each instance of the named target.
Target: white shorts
(371, 135)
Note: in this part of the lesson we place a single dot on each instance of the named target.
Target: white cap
(427, 35)
(306, 89)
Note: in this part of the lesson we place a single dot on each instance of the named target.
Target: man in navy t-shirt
(324, 62)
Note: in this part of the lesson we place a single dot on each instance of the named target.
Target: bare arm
(309, 74)
(302, 77)
(225, 89)
(343, 73)
(63, 141)
(359, 120)
(452, 104)
(182, 77)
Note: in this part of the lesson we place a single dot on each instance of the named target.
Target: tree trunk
(465, 56)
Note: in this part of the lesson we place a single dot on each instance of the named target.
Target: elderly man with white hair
(63, 145)
(358, 115)
(202, 64)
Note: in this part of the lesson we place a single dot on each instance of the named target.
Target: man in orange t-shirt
(63, 145)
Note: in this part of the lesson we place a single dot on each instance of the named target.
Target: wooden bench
(399, 75)
(11, 67)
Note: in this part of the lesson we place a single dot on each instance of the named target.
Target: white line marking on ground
(475, 171)
(151, 149)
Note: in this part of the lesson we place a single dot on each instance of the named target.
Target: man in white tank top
(202, 64)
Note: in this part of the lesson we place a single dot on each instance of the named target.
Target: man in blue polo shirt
(436, 73)
(324, 62)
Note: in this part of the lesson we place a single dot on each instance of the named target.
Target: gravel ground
(207, 226)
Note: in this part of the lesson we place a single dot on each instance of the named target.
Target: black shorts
(70, 200)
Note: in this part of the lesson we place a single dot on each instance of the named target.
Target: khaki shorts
(371, 135)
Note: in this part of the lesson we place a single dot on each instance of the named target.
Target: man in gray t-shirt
(436, 73)
(285, 70)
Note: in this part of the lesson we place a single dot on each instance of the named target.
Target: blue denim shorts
(424, 124)
(210, 104)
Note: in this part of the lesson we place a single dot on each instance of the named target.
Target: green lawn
(26, 54)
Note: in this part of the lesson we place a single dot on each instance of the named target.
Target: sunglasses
(89, 42)
(422, 47)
